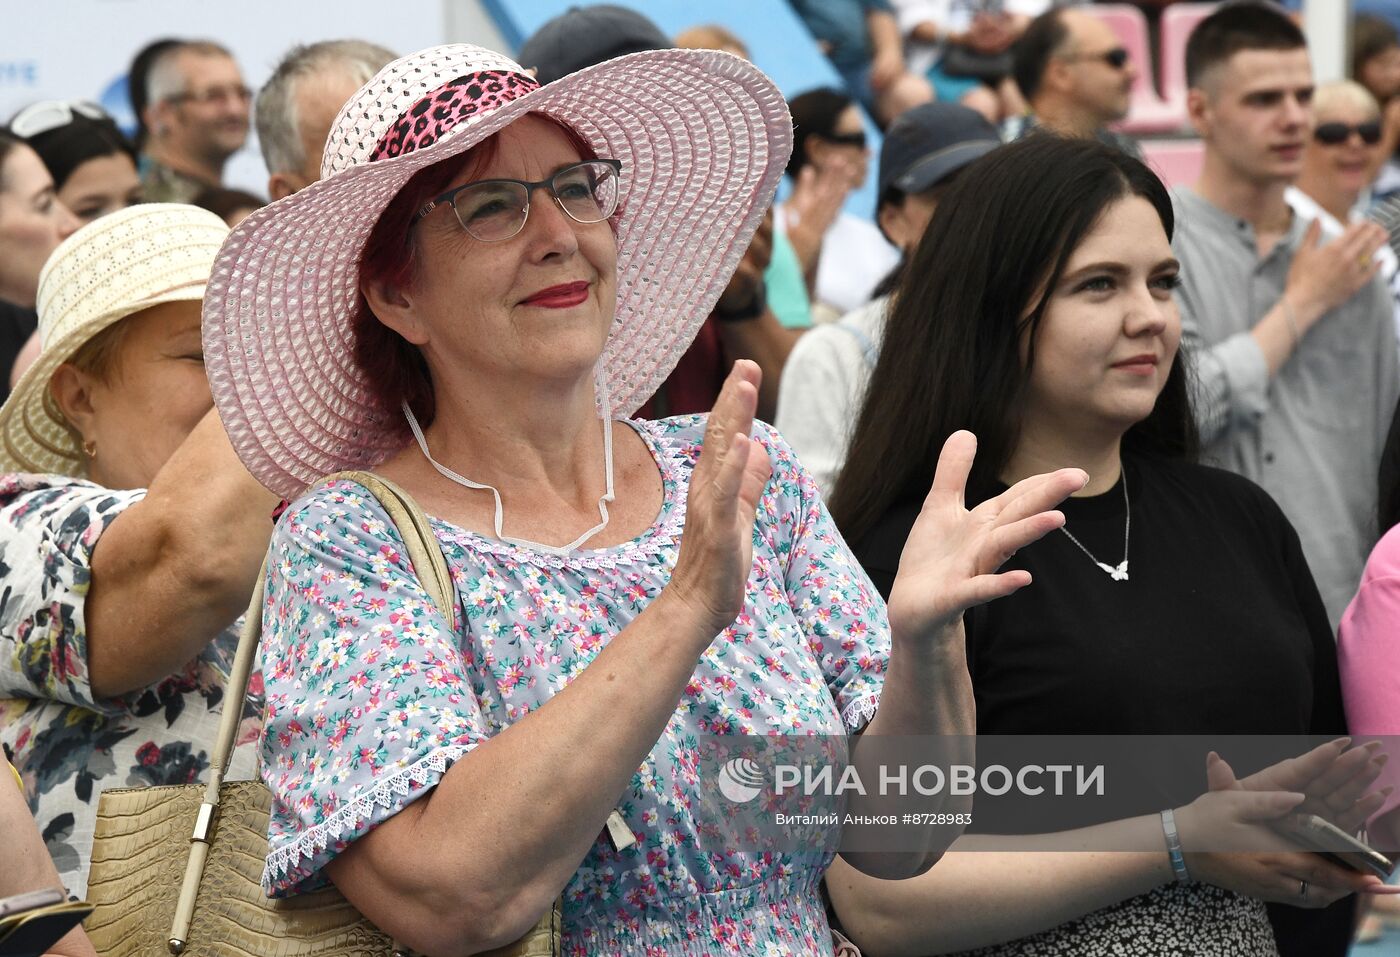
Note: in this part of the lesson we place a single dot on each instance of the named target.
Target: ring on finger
(1302, 888)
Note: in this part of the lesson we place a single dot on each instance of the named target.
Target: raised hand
(1334, 779)
(1321, 278)
(716, 550)
(950, 560)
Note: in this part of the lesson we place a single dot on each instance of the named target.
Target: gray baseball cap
(583, 36)
(929, 142)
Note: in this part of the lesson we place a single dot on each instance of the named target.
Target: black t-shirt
(1218, 629)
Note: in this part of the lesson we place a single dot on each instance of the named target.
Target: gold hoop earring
(90, 448)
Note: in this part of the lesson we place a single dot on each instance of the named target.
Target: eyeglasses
(847, 139)
(215, 94)
(494, 210)
(1117, 58)
(49, 115)
(1335, 134)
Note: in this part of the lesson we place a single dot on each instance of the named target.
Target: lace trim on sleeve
(395, 791)
(860, 712)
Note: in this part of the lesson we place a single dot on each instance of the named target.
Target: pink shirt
(1368, 655)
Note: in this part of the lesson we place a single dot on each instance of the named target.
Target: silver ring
(1302, 888)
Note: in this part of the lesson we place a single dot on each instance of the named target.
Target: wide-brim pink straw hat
(703, 138)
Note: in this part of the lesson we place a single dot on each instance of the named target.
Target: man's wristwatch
(749, 310)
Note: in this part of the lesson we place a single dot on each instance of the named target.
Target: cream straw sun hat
(125, 262)
(702, 136)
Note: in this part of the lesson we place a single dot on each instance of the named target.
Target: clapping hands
(950, 560)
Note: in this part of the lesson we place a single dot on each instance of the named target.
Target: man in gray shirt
(1291, 341)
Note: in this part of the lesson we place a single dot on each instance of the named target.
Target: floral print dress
(67, 746)
(372, 695)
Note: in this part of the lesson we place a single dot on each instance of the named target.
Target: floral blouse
(372, 695)
(68, 747)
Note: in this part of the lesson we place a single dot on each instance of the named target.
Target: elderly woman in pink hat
(490, 277)
(130, 534)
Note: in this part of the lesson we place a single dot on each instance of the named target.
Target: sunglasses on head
(52, 114)
(848, 139)
(1335, 134)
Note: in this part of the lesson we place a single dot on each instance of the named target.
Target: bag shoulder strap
(431, 567)
(424, 553)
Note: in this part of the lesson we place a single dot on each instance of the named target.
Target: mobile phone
(31, 923)
(1324, 837)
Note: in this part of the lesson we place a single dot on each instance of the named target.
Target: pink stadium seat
(1148, 112)
(1178, 20)
(1178, 162)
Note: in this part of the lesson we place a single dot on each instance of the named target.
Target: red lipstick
(559, 297)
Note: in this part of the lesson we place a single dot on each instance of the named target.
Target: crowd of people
(1056, 450)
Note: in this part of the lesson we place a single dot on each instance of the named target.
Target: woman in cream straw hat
(130, 535)
(489, 272)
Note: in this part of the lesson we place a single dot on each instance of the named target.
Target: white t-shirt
(855, 256)
(823, 385)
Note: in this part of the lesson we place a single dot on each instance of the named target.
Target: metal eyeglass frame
(448, 197)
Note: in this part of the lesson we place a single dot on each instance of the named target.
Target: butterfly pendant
(1118, 574)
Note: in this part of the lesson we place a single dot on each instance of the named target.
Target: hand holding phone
(1317, 834)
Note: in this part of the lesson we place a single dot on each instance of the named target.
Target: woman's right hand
(1223, 824)
(712, 569)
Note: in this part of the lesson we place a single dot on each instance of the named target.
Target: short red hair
(394, 367)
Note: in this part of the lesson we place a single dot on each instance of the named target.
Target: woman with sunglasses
(842, 256)
(487, 294)
(92, 164)
(1340, 161)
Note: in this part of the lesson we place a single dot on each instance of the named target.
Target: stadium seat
(1177, 162)
(1148, 113)
(1178, 20)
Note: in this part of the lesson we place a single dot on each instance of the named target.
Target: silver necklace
(1119, 572)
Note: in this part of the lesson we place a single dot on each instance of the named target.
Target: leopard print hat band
(456, 100)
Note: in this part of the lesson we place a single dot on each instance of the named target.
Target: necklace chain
(1119, 572)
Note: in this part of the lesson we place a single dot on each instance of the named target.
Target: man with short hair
(826, 374)
(298, 104)
(1076, 76)
(1291, 341)
(197, 117)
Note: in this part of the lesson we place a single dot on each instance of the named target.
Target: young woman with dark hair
(33, 221)
(92, 163)
(1038, 313)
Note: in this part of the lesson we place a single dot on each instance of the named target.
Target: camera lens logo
(740, 780)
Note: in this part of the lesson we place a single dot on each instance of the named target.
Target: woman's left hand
(950, 560)
(1334, 779)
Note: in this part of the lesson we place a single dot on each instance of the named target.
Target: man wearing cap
(825, 376)
(1076, 77)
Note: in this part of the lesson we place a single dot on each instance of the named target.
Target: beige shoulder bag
(217, 835)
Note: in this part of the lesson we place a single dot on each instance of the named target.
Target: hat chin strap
(500, 510)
